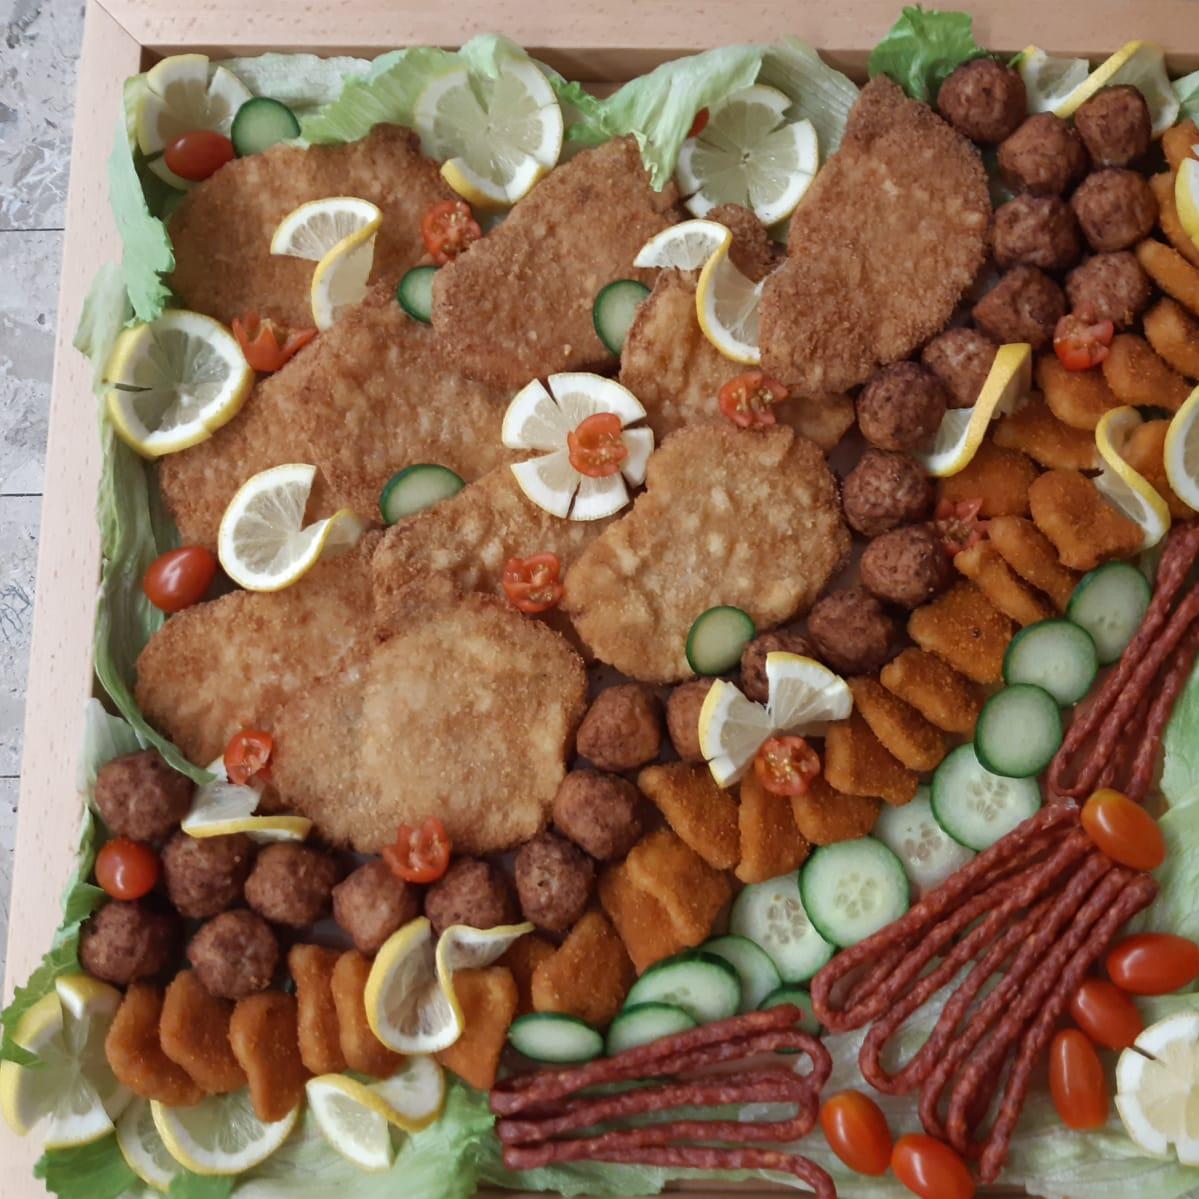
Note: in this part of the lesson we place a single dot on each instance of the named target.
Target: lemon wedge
(1048, 80)
(1157, 1088)
(414, 1095)
(220, 1134)
(340, 279)
(220, 808)
(1130, 491)
(313, 229)
(1186, 197)
(1182, 451)
(1136, 64)
(142, 1147)
(961, 431)
(726, 303)
(180, 98)
(684, 247)
(731, 730)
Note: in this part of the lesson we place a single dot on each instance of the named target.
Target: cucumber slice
(852, 889)
(415, 293)
(772, 916)
(552, 1037)
(975, 807)
(1019, 730)
(614, 309)
(1110, 603)
(802, 1000)
(1056, 655)
(717, 638)
(757, 972)
(645, 1022)
(416, 488)
(927, 852)
(261, 123)
(704, 986)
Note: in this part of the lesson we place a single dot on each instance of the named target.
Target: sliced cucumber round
(975, 807)
(646, 1022)
(416, 488)
(415, 293)
(261, 123)
(1056, 655)
(759, 975)
(927, 852)
(1019, 730)
(717, 639)
(772, 916)
(802, 1000)
(704, 986)
(614, 309)
(852, 889)
(553, 1037)
(1110, 603)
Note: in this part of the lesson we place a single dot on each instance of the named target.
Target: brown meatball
(884, 490)
(140, 796)
(1109, 287)
(234, 955)
(753, 252)
(123, 942)
(1116, 209)
(1115, 126)
(983, 100)
(753, 659)
(470, 892)
(961, 358)
(1044, 155)
(372, 903)
(906, 566)
(601, 812)
(1024, 305)
(1037, 230)
(554, 881)
(622, 729)
(291, 884)
(682, 718)
(901, 407)
(206, 875)
(851, 631)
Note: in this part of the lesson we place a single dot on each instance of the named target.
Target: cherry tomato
(930, 1168)
(419, 855)
(1153, 963)
(179, 578)
(1123, 830)
(247, 754)
(268, 346)
(1106, 1014)
(700, 123)
(533, 584)
(447, 229)
(198, 154)
(959, 524)
(857, 1132)
(749, 399)
(1081, 344)
(127, 869)
(1076, 1081)
(786, 765)
(596, 446)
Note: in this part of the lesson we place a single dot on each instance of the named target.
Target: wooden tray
(602, 42)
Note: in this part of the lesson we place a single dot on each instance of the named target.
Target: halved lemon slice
(684, 247)
(1048, 80)
(221, 808)
(313, 229)
(180, 98)
(731, 730)
(142, 1147)
(804, 694)
(1157, 1088)
(1137, 64)
(726, 303)
(220, 1134)
(340, 279)
(1130, 491)
(1186, 197)
(349, 1117)
(1182, 451)
(414, 1095)
(175, 380)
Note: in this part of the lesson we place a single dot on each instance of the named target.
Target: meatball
(983, 100)
(884, 490)
(140, 796)
(1044, 155)
(234, 955)
(682, 719)
(753, 659)
(206, 875)
(123, 942)
(622, 729)
(961, 358)
(554, 881)
(1115, 126)
(600, 812)
(1024, 305)
(901, 407)
(851, 631)
(1109, 287)
(470, 892)
(1036, 230)
(291, 884)
(372, 903)
(1116, 209)
(906, 566)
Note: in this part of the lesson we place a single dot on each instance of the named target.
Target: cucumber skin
(736, 921)
(404, 297)
(638, 1010)
(532, 1019)
(698, 957)
(980, 752)
(241, 134)
(936, 800)
(747, 1004)
(396, 483)
(1015, 647)
(816, 922)
(609, 295)
(705, 665)
(1089, 580)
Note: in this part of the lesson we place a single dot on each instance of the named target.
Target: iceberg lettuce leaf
(922, 49)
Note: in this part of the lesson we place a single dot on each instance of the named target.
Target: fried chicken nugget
(588, 976)
(1000, 478)
(488, 1000)
(1139, 376)
(771, 844)
(904, 733)
(194, 1033)
(135, 1054)
(1077, 398)
(1174, 334)
(1084, 527)
(264, 1033)
(690, 891)
(522, 958)
(984, 566)
(1178, 143)
(641, 920)
(319, 1032)
(1145, 452)
(825, 816)
(703, 814)
(1031, 555)
(939, 693)
(1035, 431)
(1162, 186)
(363, 1051)
(1171, 272)
(965, 629)
(857, 763)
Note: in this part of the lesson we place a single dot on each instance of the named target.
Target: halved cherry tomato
(1106, 1014)
(786, 765)
(1076, 1081)
(959, 524)
(1123, 830)
(749, 399)
(127, 869)
(700, 123)
(179, 578)
(857, 1132)
(533, 584)
(930, 1168)
(448, 228)
(1153, 963)
(596, 446)
(268, 346)
(198, 154)
(1081, 344)
(247, 754)
(419, 855)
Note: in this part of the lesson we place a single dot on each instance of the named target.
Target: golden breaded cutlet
(588, 975)
(1085, 528)
(824, 816)
(965, 629)
(1031, 555)
(1000, 478)
(939, 693)
(771, 844)
(643, 923)
(1035, 431)
(1140, 377)
(857, 763)
(984, 566)
(702, 814)
(1174, 334)
(901, 730)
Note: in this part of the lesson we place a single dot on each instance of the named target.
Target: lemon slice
(1130, 491)
(220, 1134)
(1182, 451)
(1138, 64)
(961, 431)
(804, 695)
(263, 543)
(349, 1117)
(174, 381)
(726, 303)
(749, 154)
(1157, 1088)
(415, 1094)
(1049, 80)
(731, 730)
(313, 229)
(142, 1147)
(1186, 197)
(498, 136)
(180, 98)
(221, 808)
(684, 247)
(340, 279)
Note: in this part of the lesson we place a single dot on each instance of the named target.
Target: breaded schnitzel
(890, 234)
(517, 305)
(222, 230)
(467, 713)
(748, 518)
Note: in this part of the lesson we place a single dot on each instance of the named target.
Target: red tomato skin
(700, 123)
(1153, 963)
(198, 154)
(857, 1132)
(419, 855)
(127, 869)
(179, 578)
(247, 754)
(1123, 830)
(1077, 1082)
(1106, 1014)
(930, 1168)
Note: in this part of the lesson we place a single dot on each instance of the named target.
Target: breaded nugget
(945, 698)
(887, 239)
(1174, 334)
(1162, 186)
(1035, 431)
(1084, 527)
(517, 305)
(825, 816)
(643, 923)
(1000, 478)
(748, 518)
(1077, 398)
(703, 814)
(964, 628)
(263, 1033)
(522, 958)
(1178, 142)
(1171, 272)
(903, 732)
(857, 763)
(194, 1033)
(1139, 376)
(469, 701)
(135, 1053)
(222, 229)
(690, 891)
(311, 968)
(771, 843)
(488, 999)
(588, 976)
(1031, 555)
(984, 566)
(1145, 452)
(362, 1050)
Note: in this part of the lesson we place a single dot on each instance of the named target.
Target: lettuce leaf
(922, 48)
(95, 1171)
(1180, 745)
(1187, 91)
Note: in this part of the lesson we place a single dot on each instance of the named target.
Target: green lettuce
(95, 1171)
(922, 48)
(1180, 746)
(1187, 91)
